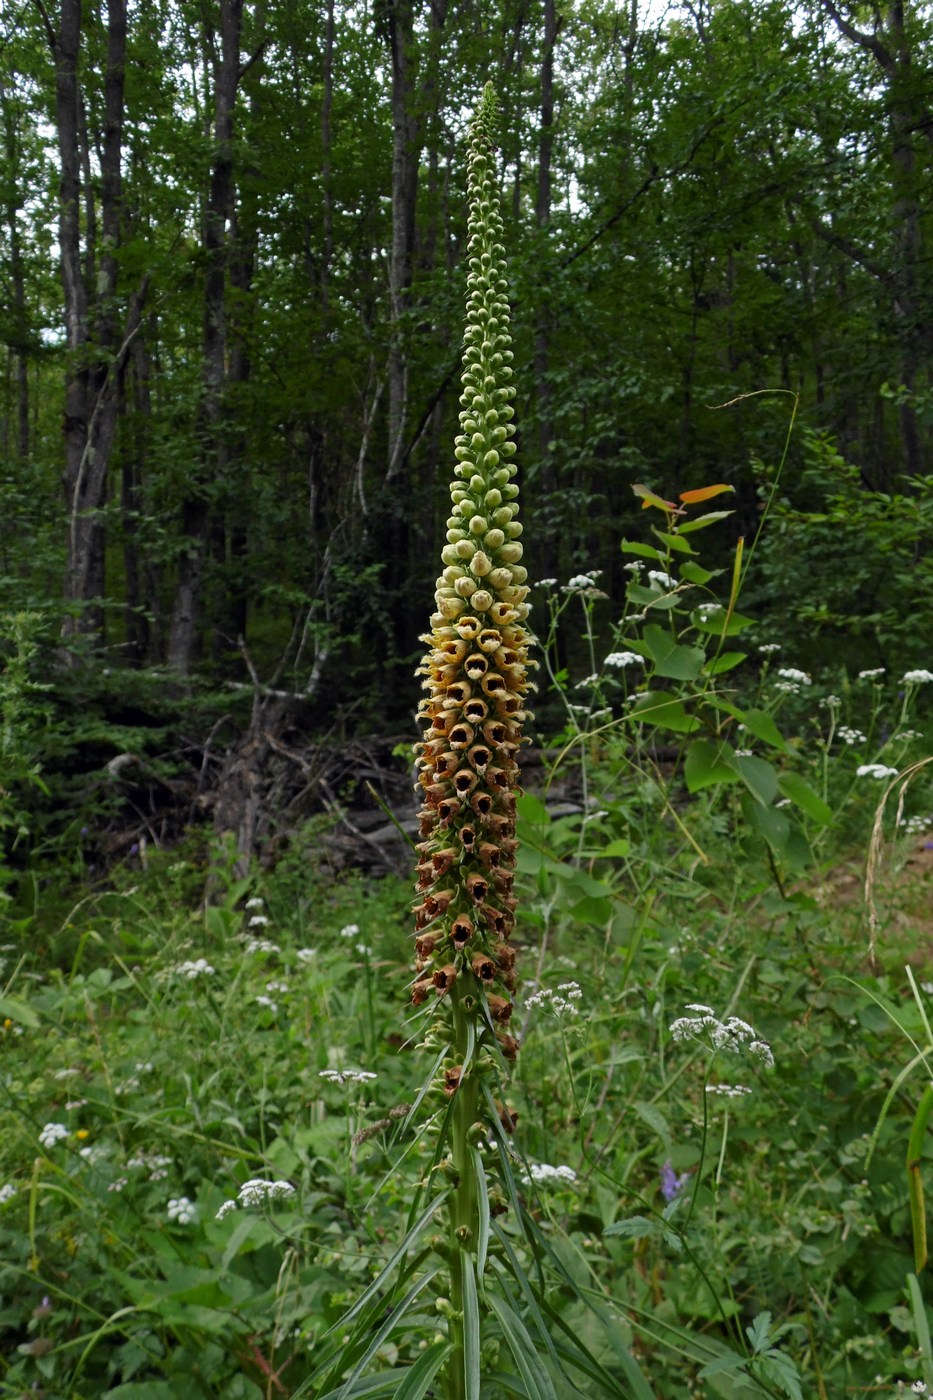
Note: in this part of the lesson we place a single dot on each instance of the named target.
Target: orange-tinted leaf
(703, 493)
(649, 498)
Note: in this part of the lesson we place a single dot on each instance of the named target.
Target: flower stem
(463, 1213)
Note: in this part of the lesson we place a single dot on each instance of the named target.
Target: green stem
(463, 1213)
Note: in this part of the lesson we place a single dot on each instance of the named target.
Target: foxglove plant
(476, 667)
(475, 675)
(476, 678)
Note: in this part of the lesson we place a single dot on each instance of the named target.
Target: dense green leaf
(695, 573)
(678, 662)
(725, 661)
(635, 1227)
(708, 764)
(700, 522)
(18, 1011)
(657, 708)
(644, 551)
(800, 792)
(759, 776)
(757, 722)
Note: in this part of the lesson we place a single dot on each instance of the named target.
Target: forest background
(232, 254)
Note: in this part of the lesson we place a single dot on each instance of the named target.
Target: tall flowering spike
(476, 667)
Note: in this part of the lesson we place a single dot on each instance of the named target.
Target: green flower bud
(511, 552)
(481, 564)
(494, 538)
(478, 525)
(481, 600)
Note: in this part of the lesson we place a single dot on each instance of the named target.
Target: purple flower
(134, 849)
(671, 1183)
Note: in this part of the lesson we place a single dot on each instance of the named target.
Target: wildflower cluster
(733, 1035)
(51, 1134)
(541, 1174)
(192, 970)
(475, 671)
(154, 1163)
(875, 770)
(561, 1005)
(181, 1211)
(257, 1193)
(347, 1076)
(791, 680)
(580, 583)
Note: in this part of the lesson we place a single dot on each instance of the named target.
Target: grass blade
(923, 1328)
(530, 1367)
(387, 1269)
(419, 1377)
(397, 1313)
(918, 1216)
(482, 1207)
(634, 1376)
(471, 1335)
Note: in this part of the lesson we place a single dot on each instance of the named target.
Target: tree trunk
(908, 115)
(404, 192)
(135, 467)
(187, 614)
(327, 190)
(548, 553)
(97, 358)
(18, 439)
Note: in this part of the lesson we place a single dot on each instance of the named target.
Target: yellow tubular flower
(475, 670)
